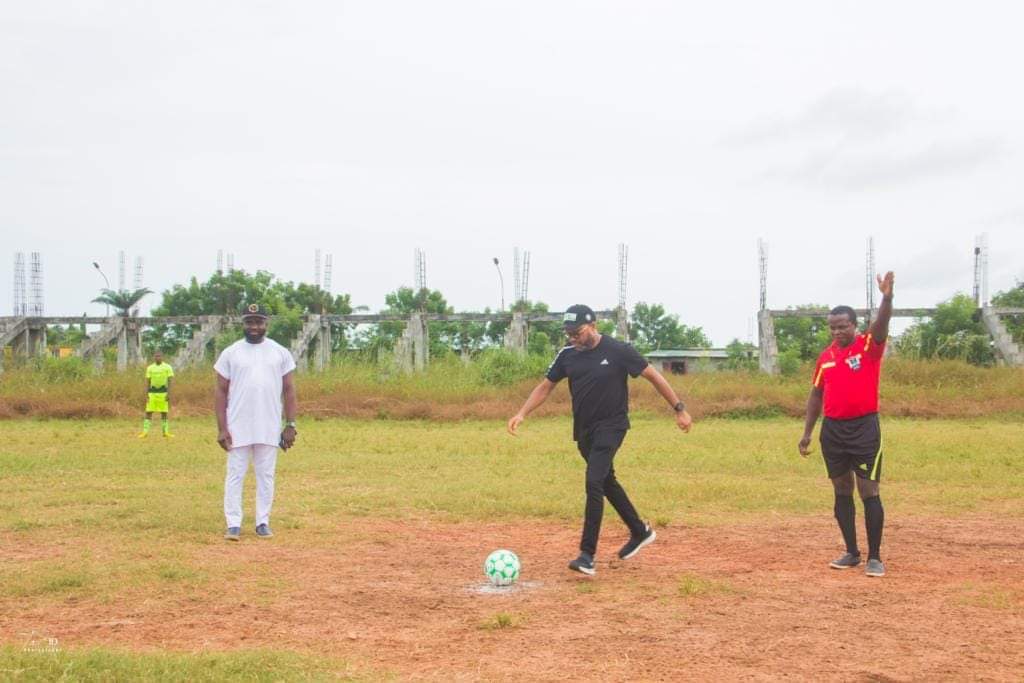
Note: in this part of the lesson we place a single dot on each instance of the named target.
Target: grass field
(112, 564)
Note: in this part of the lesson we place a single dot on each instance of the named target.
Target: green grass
(502, 620)
(693, 586)
(65, 476)
(44, 660)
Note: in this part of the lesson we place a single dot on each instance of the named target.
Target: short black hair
(845, 310)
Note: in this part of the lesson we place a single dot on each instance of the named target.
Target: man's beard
(255, 337)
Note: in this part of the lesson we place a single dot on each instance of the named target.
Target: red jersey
(849, 377)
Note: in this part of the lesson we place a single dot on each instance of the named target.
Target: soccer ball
(502, 567)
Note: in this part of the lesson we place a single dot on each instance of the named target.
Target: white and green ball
(502, 567)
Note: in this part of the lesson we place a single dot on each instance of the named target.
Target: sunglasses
(573, 334)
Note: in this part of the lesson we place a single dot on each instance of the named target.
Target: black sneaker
(583, 564)
(634, 543)
(847, 561)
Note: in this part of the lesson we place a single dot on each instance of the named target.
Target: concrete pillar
(134, 340)
(403, 352)
(518, 334)
(622, 324)
(323, 346)
(122, 349)
(36, 342)
(420, 338)
(1008, 352)
(769, 351)
(23, 345)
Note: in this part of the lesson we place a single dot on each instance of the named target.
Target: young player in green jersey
(158, 391)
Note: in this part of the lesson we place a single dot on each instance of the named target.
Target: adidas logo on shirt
(604, 362)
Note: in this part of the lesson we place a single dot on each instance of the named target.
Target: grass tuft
(502, 620)
(691, 585)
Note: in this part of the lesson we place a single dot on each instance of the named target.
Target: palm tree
(122, 300)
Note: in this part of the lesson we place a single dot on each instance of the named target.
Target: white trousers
(264, 459)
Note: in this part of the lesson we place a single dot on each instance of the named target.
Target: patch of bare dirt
(741, 602)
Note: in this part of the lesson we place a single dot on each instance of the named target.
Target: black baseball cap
(255, 311)
(578, 315)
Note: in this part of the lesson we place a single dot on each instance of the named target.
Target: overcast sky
(686, 130)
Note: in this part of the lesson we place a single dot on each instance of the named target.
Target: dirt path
(740, 602)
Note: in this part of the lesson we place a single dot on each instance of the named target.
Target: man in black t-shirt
(597, 367)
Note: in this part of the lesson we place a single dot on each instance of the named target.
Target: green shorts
(157, 402)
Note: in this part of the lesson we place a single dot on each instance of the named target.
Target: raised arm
(220, 408)
(683, 419)
(879, 329)
(539, 394)
(814, 401)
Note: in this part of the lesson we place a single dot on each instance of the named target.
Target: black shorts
(853, 444)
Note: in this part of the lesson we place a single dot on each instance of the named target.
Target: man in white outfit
(253, 375)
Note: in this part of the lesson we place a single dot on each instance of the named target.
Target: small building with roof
(686, 361)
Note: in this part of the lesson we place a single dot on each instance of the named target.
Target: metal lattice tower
(981, 270)
(328, 268)
(122, 267)
(984, 270)
(420, 269)
(317, 260)
(525, 280)
(231, 262)
(517, 284)
(137, 281)
(870, 281)
(20, 300)
(220, 262)
(35, 281)
(762, 259)
(623, 267)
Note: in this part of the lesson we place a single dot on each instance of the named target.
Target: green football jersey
(158, 374)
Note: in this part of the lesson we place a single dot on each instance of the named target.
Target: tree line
(954, 332)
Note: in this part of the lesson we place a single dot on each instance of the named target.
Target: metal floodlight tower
(762, 259)
(220, 262)
(517, 288)
(137, 281)
(35, 304)
(984, 269)
(316, 268)
(20, 300)
(122, 266)
(231, 262)
(501, 283)
(979, 266)
(525, 280)
(328, 269)
(623, 266)
(870, 279)
(420, 269)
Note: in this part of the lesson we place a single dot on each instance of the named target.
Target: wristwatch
(679, 407)
(291, 423)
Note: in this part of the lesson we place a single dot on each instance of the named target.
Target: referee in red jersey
(846, 384)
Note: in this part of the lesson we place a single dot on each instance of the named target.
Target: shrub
(502, 367)
(70, 369)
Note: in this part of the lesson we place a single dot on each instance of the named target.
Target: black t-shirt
(597, 383)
